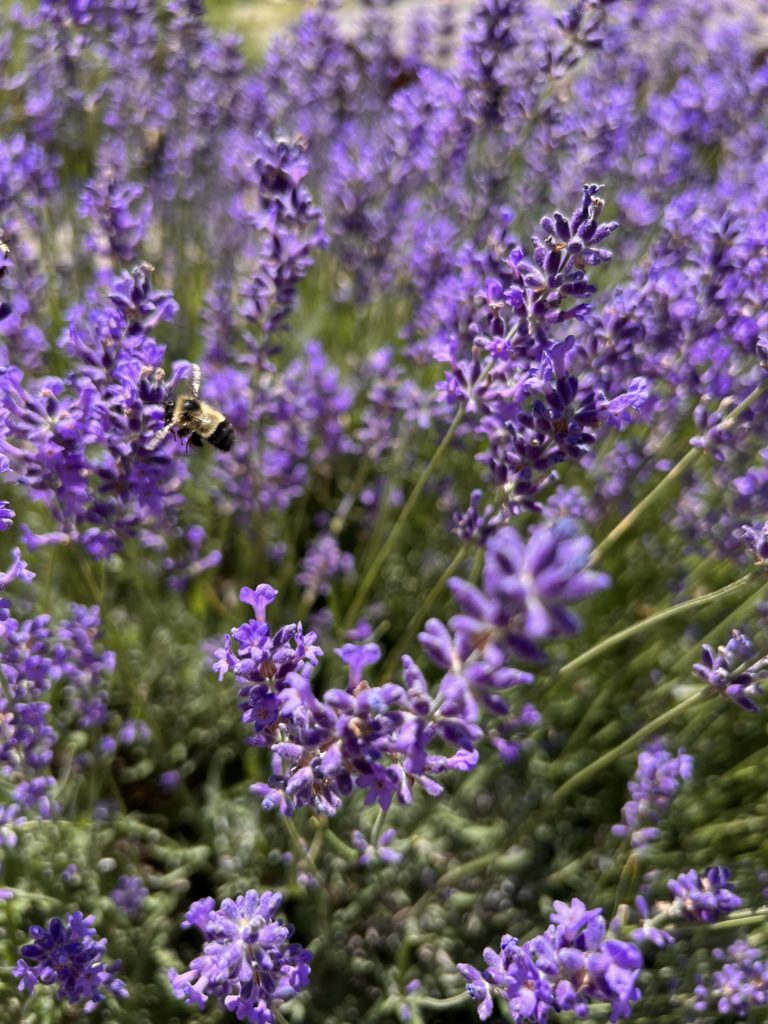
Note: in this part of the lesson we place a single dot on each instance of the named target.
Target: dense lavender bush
(437, 693)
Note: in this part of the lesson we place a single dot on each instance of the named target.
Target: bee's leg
(195, 441)
(195, 378)
(159, 437)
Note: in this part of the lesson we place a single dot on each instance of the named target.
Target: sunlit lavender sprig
(572, 964)
(248, 963)
(732, 671)
(739, 985)
(659, 776)
(69, 955)
(702, 897)
(77, 443)
(379, 739)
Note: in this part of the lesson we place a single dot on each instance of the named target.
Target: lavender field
(384, 519)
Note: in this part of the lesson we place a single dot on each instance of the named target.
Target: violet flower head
(129, 895)
(18, 570)
(570, 965)
(757, 541)
(117, 214)
(555, 275)
(739, 985)
(247, 963)
(7, 514)
(381, 853)
(527, 587)
(706, 897)
(323, 562)
(658, 777)
(68, 954)
(255, 654)
(727, 669)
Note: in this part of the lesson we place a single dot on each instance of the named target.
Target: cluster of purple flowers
(68, 954)
(572, 964)
(706, 897)
(76, 444)
(524, 599)
(38, 658)
(659, 776)
(358, 186)
(129, 895)
(247, 962)
(739, 985)
(375, 738)
(323, 562)
(729, 671)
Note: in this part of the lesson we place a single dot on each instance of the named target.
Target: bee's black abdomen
(223, 436)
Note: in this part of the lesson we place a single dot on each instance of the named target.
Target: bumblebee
(187, 415)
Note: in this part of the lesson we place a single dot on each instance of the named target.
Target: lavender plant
(484, 302)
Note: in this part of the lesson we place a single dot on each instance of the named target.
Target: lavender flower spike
(526, 587)
(658, 777)
(247, 962)
(68, 954)
(566, 968)
(706, 897)
(727, 670)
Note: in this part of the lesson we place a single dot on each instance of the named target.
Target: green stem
(732, 922)
(682, 666)
(386, 548)
(422, 612)
(677, 471)
(650, 499)
(652, 620)
(442, 1004)
(628, 745)
(378, 826)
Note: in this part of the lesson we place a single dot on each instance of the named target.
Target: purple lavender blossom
(526, 588)
(739, 985)
(381, 853)
(129, 895)
(76, 443)
(18, 570)
(247, 962)
(757, 541)
(373, 738)
(118, 214)
(570, 965)
(67, 954)
(706, 897)
(7, 514)
(658, 777)
(323, 562)
(727, 670)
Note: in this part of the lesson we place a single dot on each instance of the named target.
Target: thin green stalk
(719, 631)
(674, 474)
(578, 780)
(386, 548)
(650, 499)
(422, 612)
(442, 1004)
(731, 922)
(653, 620)
(682, 666)
(378, 826)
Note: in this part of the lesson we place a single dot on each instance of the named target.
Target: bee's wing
(195, 379)
(159, 437)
